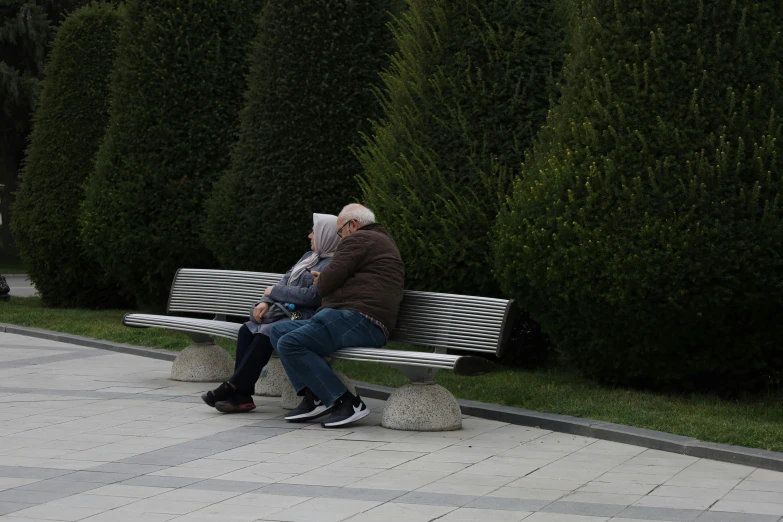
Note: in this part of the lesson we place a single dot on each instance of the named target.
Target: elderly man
(361, 291)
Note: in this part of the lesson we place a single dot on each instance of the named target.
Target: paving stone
(483, 515)
(435, 499)
(192, 400)
(739, 506)
(219, 445)
(226, 485)
(584, 508)
(297, 490)
(48, 359)
(659, 513)
(58, 512)
(170, 456)
(507, 504)
(60, 486)
(323, 510)
(760, 485)
(402, 513)
(278, 423)
(248, 434)
(376, 495)
(32, 473)
(134, 469)
(724, 516)
(12, 507)
(160, 482)
(755, 496)
(96, 476)
(30, 496)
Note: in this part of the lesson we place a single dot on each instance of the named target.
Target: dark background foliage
(466, 91)
(27, 28)
(68, 127)
(176, 91)
(646, 230)
(313, 67)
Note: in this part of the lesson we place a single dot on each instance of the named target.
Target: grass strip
(752, 422)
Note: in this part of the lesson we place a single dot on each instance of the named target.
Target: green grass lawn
(756, 423)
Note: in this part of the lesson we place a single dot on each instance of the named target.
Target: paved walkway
(93, 435)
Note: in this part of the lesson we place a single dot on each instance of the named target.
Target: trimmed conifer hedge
(646, 230)
(466, 91)
(314, 64)
(68, 127)
(177, 91)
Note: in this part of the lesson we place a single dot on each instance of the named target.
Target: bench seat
(467, 365)
(186, 325)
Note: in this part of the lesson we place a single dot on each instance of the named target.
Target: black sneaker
(310, 408)
(221, 393)
(347, 411)
(237, 403)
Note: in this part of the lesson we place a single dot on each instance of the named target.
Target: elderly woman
(294, 297)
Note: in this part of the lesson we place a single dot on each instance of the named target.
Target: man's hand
(259, 311)
(268, 291)
(317, 275)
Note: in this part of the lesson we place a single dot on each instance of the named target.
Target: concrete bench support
(422, 406)
(202, 362)
(273, 381)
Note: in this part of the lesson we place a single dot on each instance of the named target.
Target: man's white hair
(359, 213)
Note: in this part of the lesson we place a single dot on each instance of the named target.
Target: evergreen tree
(68, 127)
(646, 230)
(310, 95)
(176, 94)
(470, 84)
(26, 31)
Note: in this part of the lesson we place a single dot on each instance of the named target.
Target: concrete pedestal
(422, 407)
(273, 379)
(206, 362)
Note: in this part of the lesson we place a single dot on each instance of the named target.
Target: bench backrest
(447, 321)
(218, 292)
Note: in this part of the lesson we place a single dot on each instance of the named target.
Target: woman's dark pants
(253, 352)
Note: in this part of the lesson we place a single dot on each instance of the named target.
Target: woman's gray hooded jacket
(302, 294)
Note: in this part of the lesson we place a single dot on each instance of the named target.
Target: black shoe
(237, 403)
(221, 393)
(347, 411)
(310, 408)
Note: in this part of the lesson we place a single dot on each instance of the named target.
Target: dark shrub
(68, 127)
(466, 91)
(27, 29)
(310, 95)
(177, 90)
(645, 232)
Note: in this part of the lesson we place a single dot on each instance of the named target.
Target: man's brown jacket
(366, 274)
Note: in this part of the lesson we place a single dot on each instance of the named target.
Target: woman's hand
(259, 311)
(268, 291)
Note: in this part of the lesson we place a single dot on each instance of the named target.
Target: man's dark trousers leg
(302, 345)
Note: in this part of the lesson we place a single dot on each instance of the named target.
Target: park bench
(461, 329)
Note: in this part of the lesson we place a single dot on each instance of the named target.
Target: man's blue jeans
(302, 345)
